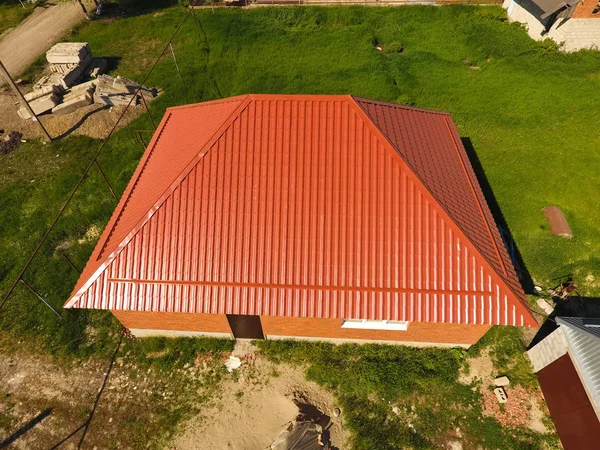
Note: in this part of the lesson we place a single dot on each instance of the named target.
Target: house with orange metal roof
(305, 216)
(574, 24)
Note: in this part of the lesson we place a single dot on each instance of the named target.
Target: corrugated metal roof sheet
(584, 342)
(309, 206)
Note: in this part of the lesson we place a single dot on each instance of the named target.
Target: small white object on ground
(501, 394)
(233, 363)
(502, 381)
(545, 306)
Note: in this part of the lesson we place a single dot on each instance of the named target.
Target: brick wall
(418, 332)
(173, 321)
(585, 10)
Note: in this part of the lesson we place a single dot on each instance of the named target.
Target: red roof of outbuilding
(306, 206)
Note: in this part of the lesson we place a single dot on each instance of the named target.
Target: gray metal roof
(588, 325)
(583, 336)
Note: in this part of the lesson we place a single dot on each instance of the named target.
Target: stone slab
(79, 89)
(502, 381)
(501, 394)
(68, 52)
(48, 80)
(76, 94)
(70, 78)
(125, 85)
(112, 99)
(44, 90)
(73, 104)
(40, 105)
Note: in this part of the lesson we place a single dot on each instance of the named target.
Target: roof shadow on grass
(574, 306)
(518, 263)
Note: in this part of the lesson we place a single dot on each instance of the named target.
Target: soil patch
(258, 401)
(94, 120)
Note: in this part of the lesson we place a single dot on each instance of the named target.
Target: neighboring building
(567, 364)
(573, 23)
(319, 217)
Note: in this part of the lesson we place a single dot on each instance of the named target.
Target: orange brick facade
(585, 10)
(417, 333)
(172, 321)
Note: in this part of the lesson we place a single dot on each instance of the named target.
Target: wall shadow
(25, 428)
(522, 272)
(574, 306)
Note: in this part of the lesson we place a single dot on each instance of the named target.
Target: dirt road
(22, 45)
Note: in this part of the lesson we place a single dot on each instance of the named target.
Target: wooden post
(23, 101)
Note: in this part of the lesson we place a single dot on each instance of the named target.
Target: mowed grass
(527, 109)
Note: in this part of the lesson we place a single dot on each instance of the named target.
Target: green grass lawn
(528, 110)
(396, 397)
(12, 14)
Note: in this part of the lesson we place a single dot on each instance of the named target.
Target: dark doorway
(245, 327)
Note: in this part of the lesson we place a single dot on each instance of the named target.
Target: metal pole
(139, 135)
(16, 90)
(106, 181)
(174, 59)
(70, 263)
(146, 104)
(197, 26)
(40, 297)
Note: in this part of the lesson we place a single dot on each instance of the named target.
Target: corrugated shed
(301, 206)
(584, 343)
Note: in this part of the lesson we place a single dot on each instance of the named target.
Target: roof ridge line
(479, 205)
(208, 102)
(165, 195)
(400, 106)
(368, 120)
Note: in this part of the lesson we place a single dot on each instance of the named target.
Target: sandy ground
(48, 23)
(255, 405)
(94, 120)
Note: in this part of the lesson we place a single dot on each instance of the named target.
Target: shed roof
(306, 206)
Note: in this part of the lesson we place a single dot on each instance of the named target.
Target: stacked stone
(60, 92)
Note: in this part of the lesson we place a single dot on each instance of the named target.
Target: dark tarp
(300, 436)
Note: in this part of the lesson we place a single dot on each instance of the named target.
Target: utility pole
(16, 90)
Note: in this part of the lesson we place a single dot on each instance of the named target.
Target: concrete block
(48, 80)
(73, 104)
(502, 381)
(501, 394)
(40, 105)
(125, 85)
(44, 90)
(79, 89)
(97, 67)
(105, 82)
(68, 53)
(70, 78)
(112, 98)
(76, 94)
